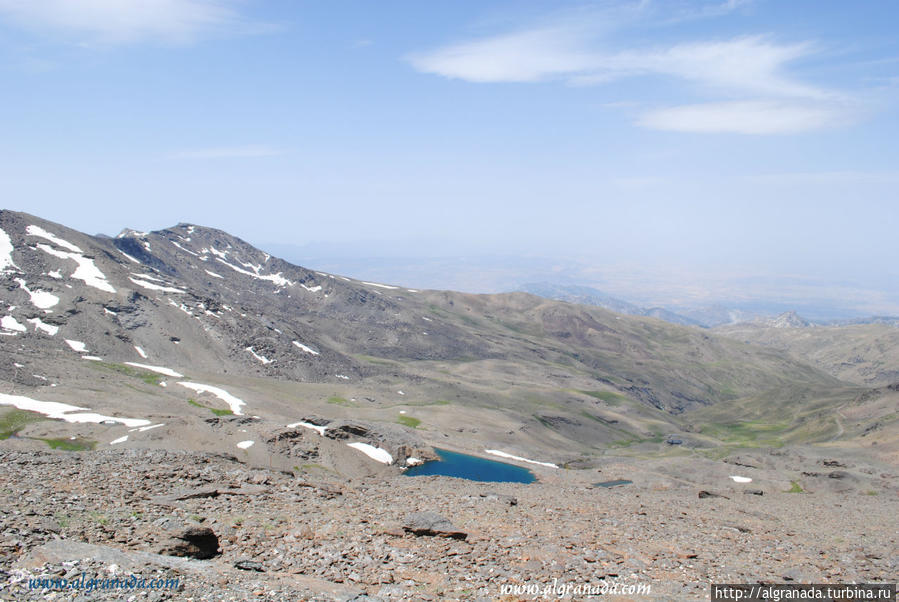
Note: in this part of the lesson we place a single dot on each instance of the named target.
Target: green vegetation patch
(13, 421)
(408, 421)
(216, 411)
(748, 434)
(340, 401)
(71, 444)
(151, 378)
(795, 488)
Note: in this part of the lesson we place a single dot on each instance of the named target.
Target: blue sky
(719, 135)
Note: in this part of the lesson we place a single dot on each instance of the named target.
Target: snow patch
(503, 454)
(40, 299)
(183, 249)
(414, 461)
(151, 427)
(10, 323)
(375, 453)
(40, 232)
(233, 402)
(54, 274)
(342, 376)
(6, 248)
(92, 358)
(157, 369)
(214, 275)
(262, 359)
(119, 440)
(277, 279)
(319, 429)
(50, 329)
(741, 479)
(148, 277)
(305, 348)
(245, 444)
(140, 352)
(86, 270)
(129, 256)
(76, 346)
(380, 285)
(64, 411)
(155, 287)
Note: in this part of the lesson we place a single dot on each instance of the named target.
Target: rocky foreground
(227, 531)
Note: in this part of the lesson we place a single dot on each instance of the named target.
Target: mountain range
(103, 319)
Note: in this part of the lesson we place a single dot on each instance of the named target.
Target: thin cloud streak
(749, 117)
(116, 22)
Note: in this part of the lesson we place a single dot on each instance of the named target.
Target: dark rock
(193, 541)
(838, 474)
(431, 523)
(753, 492)
(249, 565)
(705, 494)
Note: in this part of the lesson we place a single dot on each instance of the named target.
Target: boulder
(433, 524)
(191, 541)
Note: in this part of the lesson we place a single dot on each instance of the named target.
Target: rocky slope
(321, 537)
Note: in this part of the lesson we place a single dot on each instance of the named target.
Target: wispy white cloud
(746, 79)
(125, 21)
(228, 152)
(744, 117)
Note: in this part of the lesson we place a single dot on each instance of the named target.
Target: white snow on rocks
(380, 285)
(76, 346)
(214, 275)
(305, 348)
(92, 358)
(40, 232)
(119, 440)
(375, 453)
(40, 299)
(129, 256)
(149, 428)
(233, 402)
(86, 270)
(64, 411)
(277, 279)
(414, 461)
(140, 352)
(183, 249)
(155, 287)
(10, 323)
(6, 248)
(319, 429)
(503, 454)
(262, 359)
(741, 479)
(157, 369)
(245, 444)
(50, 329)
(55, 274)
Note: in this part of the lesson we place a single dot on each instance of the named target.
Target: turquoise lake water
(473, 468)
